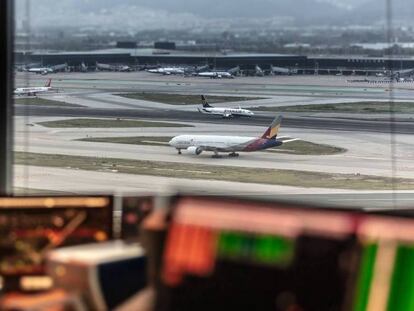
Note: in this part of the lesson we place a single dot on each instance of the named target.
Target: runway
(258, 120)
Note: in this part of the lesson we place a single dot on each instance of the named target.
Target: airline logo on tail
(273, 129)
(48, 83)
(204, 102)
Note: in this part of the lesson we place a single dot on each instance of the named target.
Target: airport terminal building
(246, 61)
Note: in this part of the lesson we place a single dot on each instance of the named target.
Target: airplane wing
(287, 139)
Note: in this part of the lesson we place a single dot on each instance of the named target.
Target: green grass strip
(357, 107)
(215, 172)
(37, 101)
(183, 99)
(107, 123)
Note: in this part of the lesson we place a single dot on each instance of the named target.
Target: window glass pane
(108, 98)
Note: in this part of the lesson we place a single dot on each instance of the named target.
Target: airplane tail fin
(48, 83)
(204, 102)
(273, 129)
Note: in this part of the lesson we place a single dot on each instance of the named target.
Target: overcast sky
(155, 14)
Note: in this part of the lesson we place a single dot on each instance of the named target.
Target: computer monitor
(248, 255)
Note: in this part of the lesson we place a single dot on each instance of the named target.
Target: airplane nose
(172, 142)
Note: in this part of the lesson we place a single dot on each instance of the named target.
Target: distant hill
(148, 13)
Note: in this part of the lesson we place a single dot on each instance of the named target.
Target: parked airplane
(224, 112)
(41, 70)
(108, 67)
(274, 70)
(32, 91)
(259, 71)
(229, 74)
(196, 144)
(168, 70)
(50, 69)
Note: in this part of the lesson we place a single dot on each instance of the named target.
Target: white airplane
(41, 70)
(168, 70)
(229, 74)
(224, 112)
(215, 75)
(109, 67)
(32, 91)
(196, 144)
(259, 71)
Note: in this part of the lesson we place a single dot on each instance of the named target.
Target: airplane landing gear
(233, 155)
(179, 151)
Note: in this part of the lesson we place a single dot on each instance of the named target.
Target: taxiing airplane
(196, 144)
(32, 91)
(224, 112)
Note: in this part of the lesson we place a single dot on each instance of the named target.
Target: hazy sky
(147, 14)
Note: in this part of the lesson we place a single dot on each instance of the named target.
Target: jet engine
(194, 150)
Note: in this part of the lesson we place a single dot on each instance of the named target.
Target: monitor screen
(243, 255)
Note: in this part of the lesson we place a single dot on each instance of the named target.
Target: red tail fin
(273, 129)
(48, 83)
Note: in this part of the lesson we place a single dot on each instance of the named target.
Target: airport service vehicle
(224, 112)
(196, 144)
(32, 91)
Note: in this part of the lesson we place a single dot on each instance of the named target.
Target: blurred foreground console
(104, 275)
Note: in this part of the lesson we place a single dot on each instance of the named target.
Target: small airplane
(196, 144)
(224, 112)
(32, 91)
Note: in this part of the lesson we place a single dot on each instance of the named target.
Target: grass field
(183, 99)
(358, 107)
(107, 123)
(299, 147)
(36, 101)
(216, 172)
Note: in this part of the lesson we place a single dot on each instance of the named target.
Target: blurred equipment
(134, 211)
(104, 275)
(30, 227)
(241, 255)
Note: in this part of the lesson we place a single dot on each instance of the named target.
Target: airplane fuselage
(31, 90)
(222, 143)
(227, 112)
(44, 70)
(168, 71)
(215, 75)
